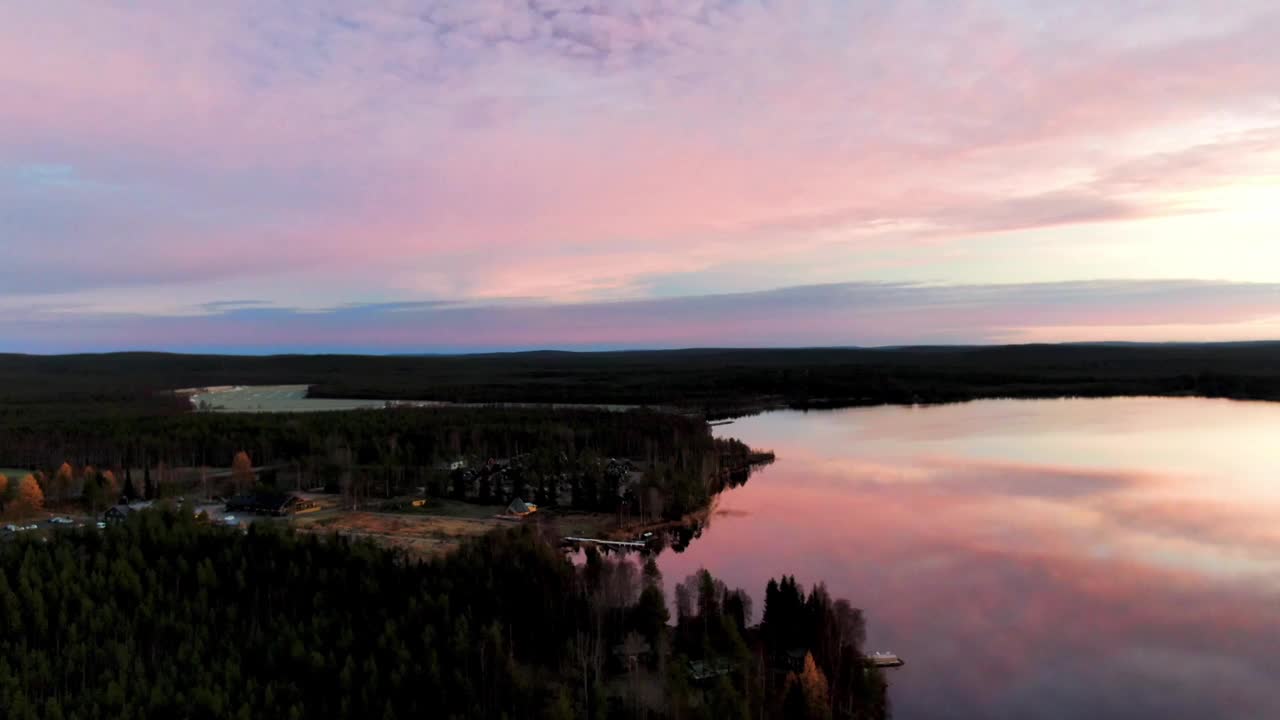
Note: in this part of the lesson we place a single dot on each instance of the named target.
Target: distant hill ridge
(714, 380)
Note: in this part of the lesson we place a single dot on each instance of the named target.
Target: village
(472, 498)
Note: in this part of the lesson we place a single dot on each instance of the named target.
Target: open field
(441, 525)
(293, 398)
(274, 398)
(445, 507)
(419, 535)
(572, 523)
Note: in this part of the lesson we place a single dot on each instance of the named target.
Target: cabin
(520, 508)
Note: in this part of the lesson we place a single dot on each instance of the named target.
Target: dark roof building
(520, 507)
(118, 513)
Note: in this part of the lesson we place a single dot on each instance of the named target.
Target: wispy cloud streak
(842, 314)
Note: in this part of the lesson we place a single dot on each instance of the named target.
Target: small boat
(885, 660)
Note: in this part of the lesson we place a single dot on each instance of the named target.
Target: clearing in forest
(419, 535)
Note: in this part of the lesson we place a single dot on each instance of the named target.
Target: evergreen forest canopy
(165, 617)
(716, 381)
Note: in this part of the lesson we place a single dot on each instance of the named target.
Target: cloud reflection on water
(1020, 589)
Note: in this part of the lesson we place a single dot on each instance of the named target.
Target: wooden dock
(633, 545)
(885, 660)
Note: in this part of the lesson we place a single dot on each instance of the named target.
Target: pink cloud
(493, 149)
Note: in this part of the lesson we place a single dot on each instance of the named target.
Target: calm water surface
(1030, 559)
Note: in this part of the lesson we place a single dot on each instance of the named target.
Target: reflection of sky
(1100, 558)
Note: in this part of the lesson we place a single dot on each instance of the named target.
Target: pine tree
(650, 615)
(93, 492)
(130, 492)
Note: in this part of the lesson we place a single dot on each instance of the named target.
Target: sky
(412, 176)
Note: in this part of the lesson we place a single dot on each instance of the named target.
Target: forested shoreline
(712, 381)
(165, 617)
(663, 464)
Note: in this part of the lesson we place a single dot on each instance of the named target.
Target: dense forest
(663, 463)
(714, 381)
(162, 616)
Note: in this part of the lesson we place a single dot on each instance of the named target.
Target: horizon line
(640, 350)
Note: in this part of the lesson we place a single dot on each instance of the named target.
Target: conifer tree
(129, 492)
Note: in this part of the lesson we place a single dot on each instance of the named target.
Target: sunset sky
(410, 176)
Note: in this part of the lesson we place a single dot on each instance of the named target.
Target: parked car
(11, 528)
(31, 527)
(60, 520)
(102, 525)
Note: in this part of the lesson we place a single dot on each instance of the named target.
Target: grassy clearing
(418, 535)
(441, 507)
(275, 398)
(584, 524)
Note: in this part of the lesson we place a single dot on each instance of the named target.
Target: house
(277, 504)
(521, 508)
(119, 513)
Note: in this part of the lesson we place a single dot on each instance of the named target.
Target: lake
(1114, 558)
